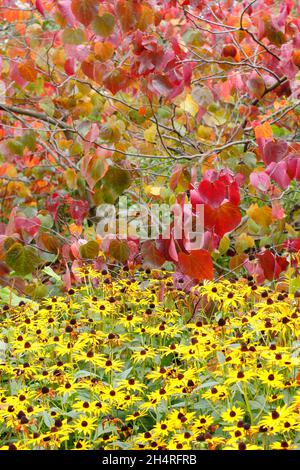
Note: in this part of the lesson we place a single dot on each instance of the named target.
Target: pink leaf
(39, 6)
(277, 211)
(64, 7)
(31, 226)
(275, 151)
(293, 168)
(278, 173)
(260, 180)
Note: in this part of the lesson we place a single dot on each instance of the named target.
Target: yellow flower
(283, 445)
(143, 354)
(136, 415)
(112, 365)
(161, 429)
(277, 417)
(216, 393)
(85, 425)
(131, 384)
(239, 376)
(271, 378)
(82, 445)
(202, 423)
(233, 414)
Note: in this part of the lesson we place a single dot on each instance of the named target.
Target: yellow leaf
(64, 143)
(243, 242)
(152, 190)
(75, 230)
(224, 245)
(71, 178)
(263, 131)
(150, 134)
(261, 215)
(59, 56)
(189, 105)
(82, 109)
(204, 132)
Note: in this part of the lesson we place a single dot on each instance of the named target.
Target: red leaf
(70, 66)
(212, 193)
(39, 6)
(198, 264)
(116, 81)
(152, 257)
(85, 10)
(31, 226)
(78, 210)
(272, 265)
(292, 244)
(53, 203)
(167, 248)
(93, 70)
(275, 151)
(223, 219)
(126, 14)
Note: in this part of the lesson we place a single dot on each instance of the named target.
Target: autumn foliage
(163, 101)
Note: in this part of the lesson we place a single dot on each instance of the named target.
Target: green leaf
(7, 296)
(104, 25)
(73, 36)
(52, 274)
(47, 105)
(29, 140)
(119, 250)
(113, 184)
(36, 291)
(136, 117)
(22, 259)
(90, 250)
(15, 146)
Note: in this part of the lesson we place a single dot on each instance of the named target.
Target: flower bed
(137, 364)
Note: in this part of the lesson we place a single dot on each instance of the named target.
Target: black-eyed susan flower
(233, 414)
(271, 378)
(85, 425)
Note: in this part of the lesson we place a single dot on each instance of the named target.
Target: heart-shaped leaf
(22, 259)
(85, 10)
(119, 250)
(104, 25)
(89, 250)
(198, 264)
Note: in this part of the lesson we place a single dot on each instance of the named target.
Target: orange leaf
(28, 71)
(263, 131)
(85, 10)
(104, 50)
(198, 264)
